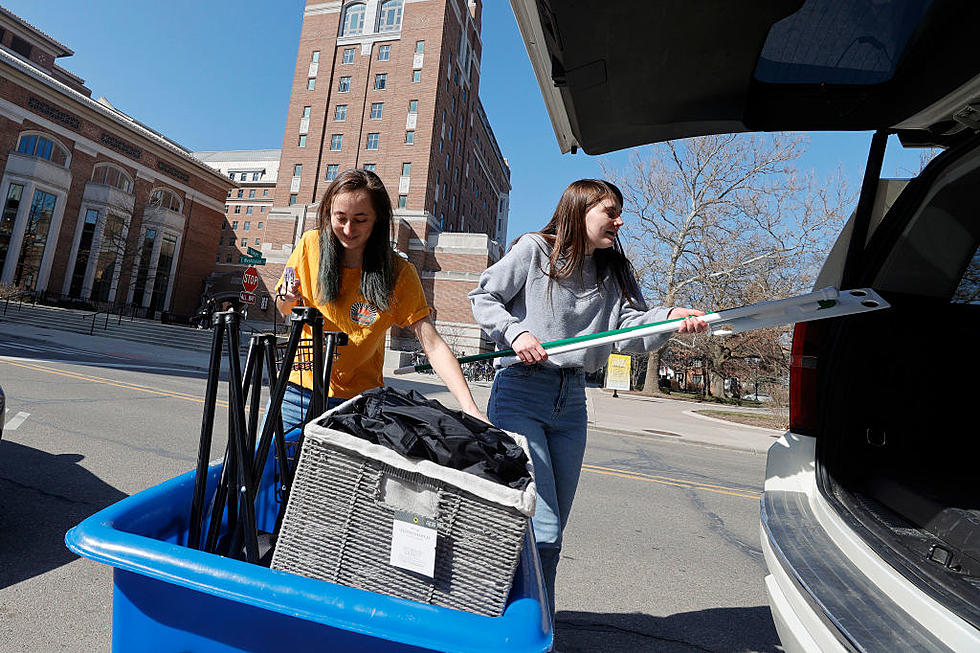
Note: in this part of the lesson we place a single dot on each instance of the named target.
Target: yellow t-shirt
(358, 365)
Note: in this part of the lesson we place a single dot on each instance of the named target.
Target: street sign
(247, 297)
(250, 279)
(254, 253)
(250, 260)
(618, 372)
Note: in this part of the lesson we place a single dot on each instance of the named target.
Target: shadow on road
(719, 630)
(41, 496)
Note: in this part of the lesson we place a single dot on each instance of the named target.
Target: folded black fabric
(423, 428)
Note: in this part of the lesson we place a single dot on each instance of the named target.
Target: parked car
(870, 518)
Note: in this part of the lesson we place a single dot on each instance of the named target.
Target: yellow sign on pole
(618, 372)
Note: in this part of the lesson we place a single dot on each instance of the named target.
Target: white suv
(871, 509)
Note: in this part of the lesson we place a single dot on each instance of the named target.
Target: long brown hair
(566, 234)
(378, 266)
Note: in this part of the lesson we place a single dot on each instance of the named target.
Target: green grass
(765, 420)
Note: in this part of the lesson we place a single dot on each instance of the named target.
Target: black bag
(423, 428)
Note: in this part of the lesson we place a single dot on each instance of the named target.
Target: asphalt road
(662, 551)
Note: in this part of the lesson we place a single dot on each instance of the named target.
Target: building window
(258, 242)
(369, 167)
(248, 211)
(165, 199)
(419, 47)
(376, 109)
(306, 114)
(265, 192)
(217, 259)
(229, 193)
(292, 199)
(410, 137)
(384, 52)
(348, 55)
(340, 112)
(258, 226)
(298, 170)
(228, 259)
(311, 84)
(256, 175)
(344, 85)
(402, 201)
(84, 249)
(390, 18)
(261, 209)
(416, 76)
(353, 23)
(372, 140)
(226, 208)
(302, 140)
(110, 175)
(380, 80)
(234, 224)
(247, 224)
(238, 209)
(316, 56)
(406, 169)
(332, 169)
(244, 242)
(241, 192)
(413, 106)
(336, 141)
(42, 148)
(251, 193)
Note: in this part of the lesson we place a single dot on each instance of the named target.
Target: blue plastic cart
(169, 597)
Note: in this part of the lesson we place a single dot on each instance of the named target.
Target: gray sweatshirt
(514, 296)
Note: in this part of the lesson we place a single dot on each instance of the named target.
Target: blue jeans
(296, 403)
(547, 406)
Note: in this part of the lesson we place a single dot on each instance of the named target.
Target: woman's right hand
(528, 348)
(290, 295)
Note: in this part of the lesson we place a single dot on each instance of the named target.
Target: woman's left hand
(691, 323)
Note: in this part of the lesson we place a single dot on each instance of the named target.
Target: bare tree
(721, 221)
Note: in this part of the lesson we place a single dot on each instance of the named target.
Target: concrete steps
(137, 330)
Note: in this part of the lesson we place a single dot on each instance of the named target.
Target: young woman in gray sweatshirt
(569, 279)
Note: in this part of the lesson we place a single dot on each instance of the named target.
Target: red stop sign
(250, 279)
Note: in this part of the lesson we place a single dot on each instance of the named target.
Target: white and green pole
(817, 305)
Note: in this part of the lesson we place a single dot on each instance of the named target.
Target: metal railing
(20, 297)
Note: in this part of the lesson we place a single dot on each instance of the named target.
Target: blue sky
(216, 76)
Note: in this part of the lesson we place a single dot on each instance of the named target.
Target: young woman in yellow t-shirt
(347, 269)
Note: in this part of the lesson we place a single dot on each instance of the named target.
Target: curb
(773, 432)
(680, 440)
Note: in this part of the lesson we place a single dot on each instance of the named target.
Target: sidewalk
(627, 414)
(633, 415)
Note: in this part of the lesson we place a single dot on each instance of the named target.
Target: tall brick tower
(393, 86)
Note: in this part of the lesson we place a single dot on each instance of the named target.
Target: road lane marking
(122, 366)
(16, 421)
(119, 384)
(673, 482)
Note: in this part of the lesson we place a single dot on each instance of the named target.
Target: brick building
(393, 86)
(247, 209)
(97, 208)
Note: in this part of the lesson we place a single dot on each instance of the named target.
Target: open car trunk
(899, 443)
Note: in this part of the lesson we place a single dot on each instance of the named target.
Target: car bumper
(828, 590)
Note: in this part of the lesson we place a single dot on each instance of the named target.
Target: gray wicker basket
(338, 523)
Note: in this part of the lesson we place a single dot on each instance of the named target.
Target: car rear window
(839, 42)
(936, 254)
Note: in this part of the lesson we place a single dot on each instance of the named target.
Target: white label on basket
(413, 543)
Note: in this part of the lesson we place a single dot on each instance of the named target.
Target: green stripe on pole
(553, 343)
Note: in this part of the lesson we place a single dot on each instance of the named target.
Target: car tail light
(803, 415)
